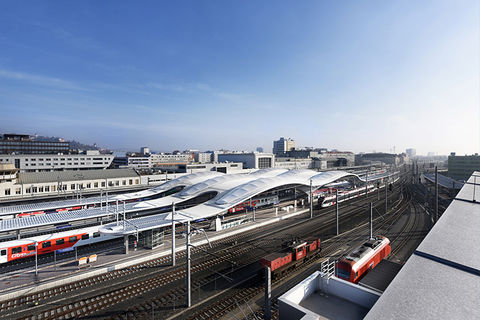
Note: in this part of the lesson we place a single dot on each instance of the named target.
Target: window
(85, 236)
(89, 185)
(17, 250)
(117, 183)
(72, 186)
(46, 244)
(95, 184)
(18, 191)
(130, 181)
(3, 252)
(34, 189)
(136, 181)
(7, 192)
(40, 189)
(72, 239)
(31, 247)
(47, 189)
(103, 184)
(60, 241)
(96, 234)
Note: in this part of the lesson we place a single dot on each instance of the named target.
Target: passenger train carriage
(344, 195)
(63, 241)
(364, 258)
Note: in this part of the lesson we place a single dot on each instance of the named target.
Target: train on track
(294, 253)
(344, 195)
(255, 203)
(364, 258)
(61, 241)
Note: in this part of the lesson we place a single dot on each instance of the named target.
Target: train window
(46, 244)
(85, 236)
(3, 252)
(17, 250)
(31, 247)
(72, 239)
(96, 234)
(60, 241)
(356, 274)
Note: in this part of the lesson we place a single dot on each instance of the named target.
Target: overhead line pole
(311, 200)
(188, 283)
(436, 194)
(336, 208)
(173, 234)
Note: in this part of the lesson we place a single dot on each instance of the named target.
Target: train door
(3, 255)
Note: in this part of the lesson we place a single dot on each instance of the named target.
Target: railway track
(90, 304)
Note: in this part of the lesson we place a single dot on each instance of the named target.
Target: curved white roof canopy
(225, 200)
(218, 184)
(186, 180)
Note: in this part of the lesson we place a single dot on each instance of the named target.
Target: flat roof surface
(74, 175)
(333, 307)
(442, 278)
(444, 181)
(381, 276)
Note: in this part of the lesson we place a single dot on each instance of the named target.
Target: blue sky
(351, 75)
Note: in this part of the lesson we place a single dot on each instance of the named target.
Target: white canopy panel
(229, 198)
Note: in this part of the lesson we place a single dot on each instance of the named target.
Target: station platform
(25, 281)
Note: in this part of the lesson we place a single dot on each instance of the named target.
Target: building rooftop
(71, 175)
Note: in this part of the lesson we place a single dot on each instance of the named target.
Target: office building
(253, 160)
(411, 152)
(283, 145)
(462, 167)
(23, 144)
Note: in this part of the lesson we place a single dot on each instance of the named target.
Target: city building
(224, 167)
(91, 159)
(283, 145)
(21, 185)
(145, 150)
(337, 159)
(23, 144)
(203, 157)
(152, 161)
(378, 158)
(302, 154)
(411, 152)
(294, 163)
(253, 160)
(259, 149)
(462, 167)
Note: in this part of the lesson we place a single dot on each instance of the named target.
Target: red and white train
(254, 203)
(364, 258)
(345, 195)
(294, 254)
(63, 241)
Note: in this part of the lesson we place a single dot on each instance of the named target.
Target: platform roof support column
(188, 283)
(173, 234)
(125, 240)
(18, 234)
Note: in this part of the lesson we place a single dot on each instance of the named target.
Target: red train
(295, 253)
(354, 266)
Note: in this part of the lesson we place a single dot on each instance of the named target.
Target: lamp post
(311, 200)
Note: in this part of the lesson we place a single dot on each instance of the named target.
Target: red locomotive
(295, 253)
(354, 266)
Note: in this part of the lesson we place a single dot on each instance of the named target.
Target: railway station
(287, 193)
